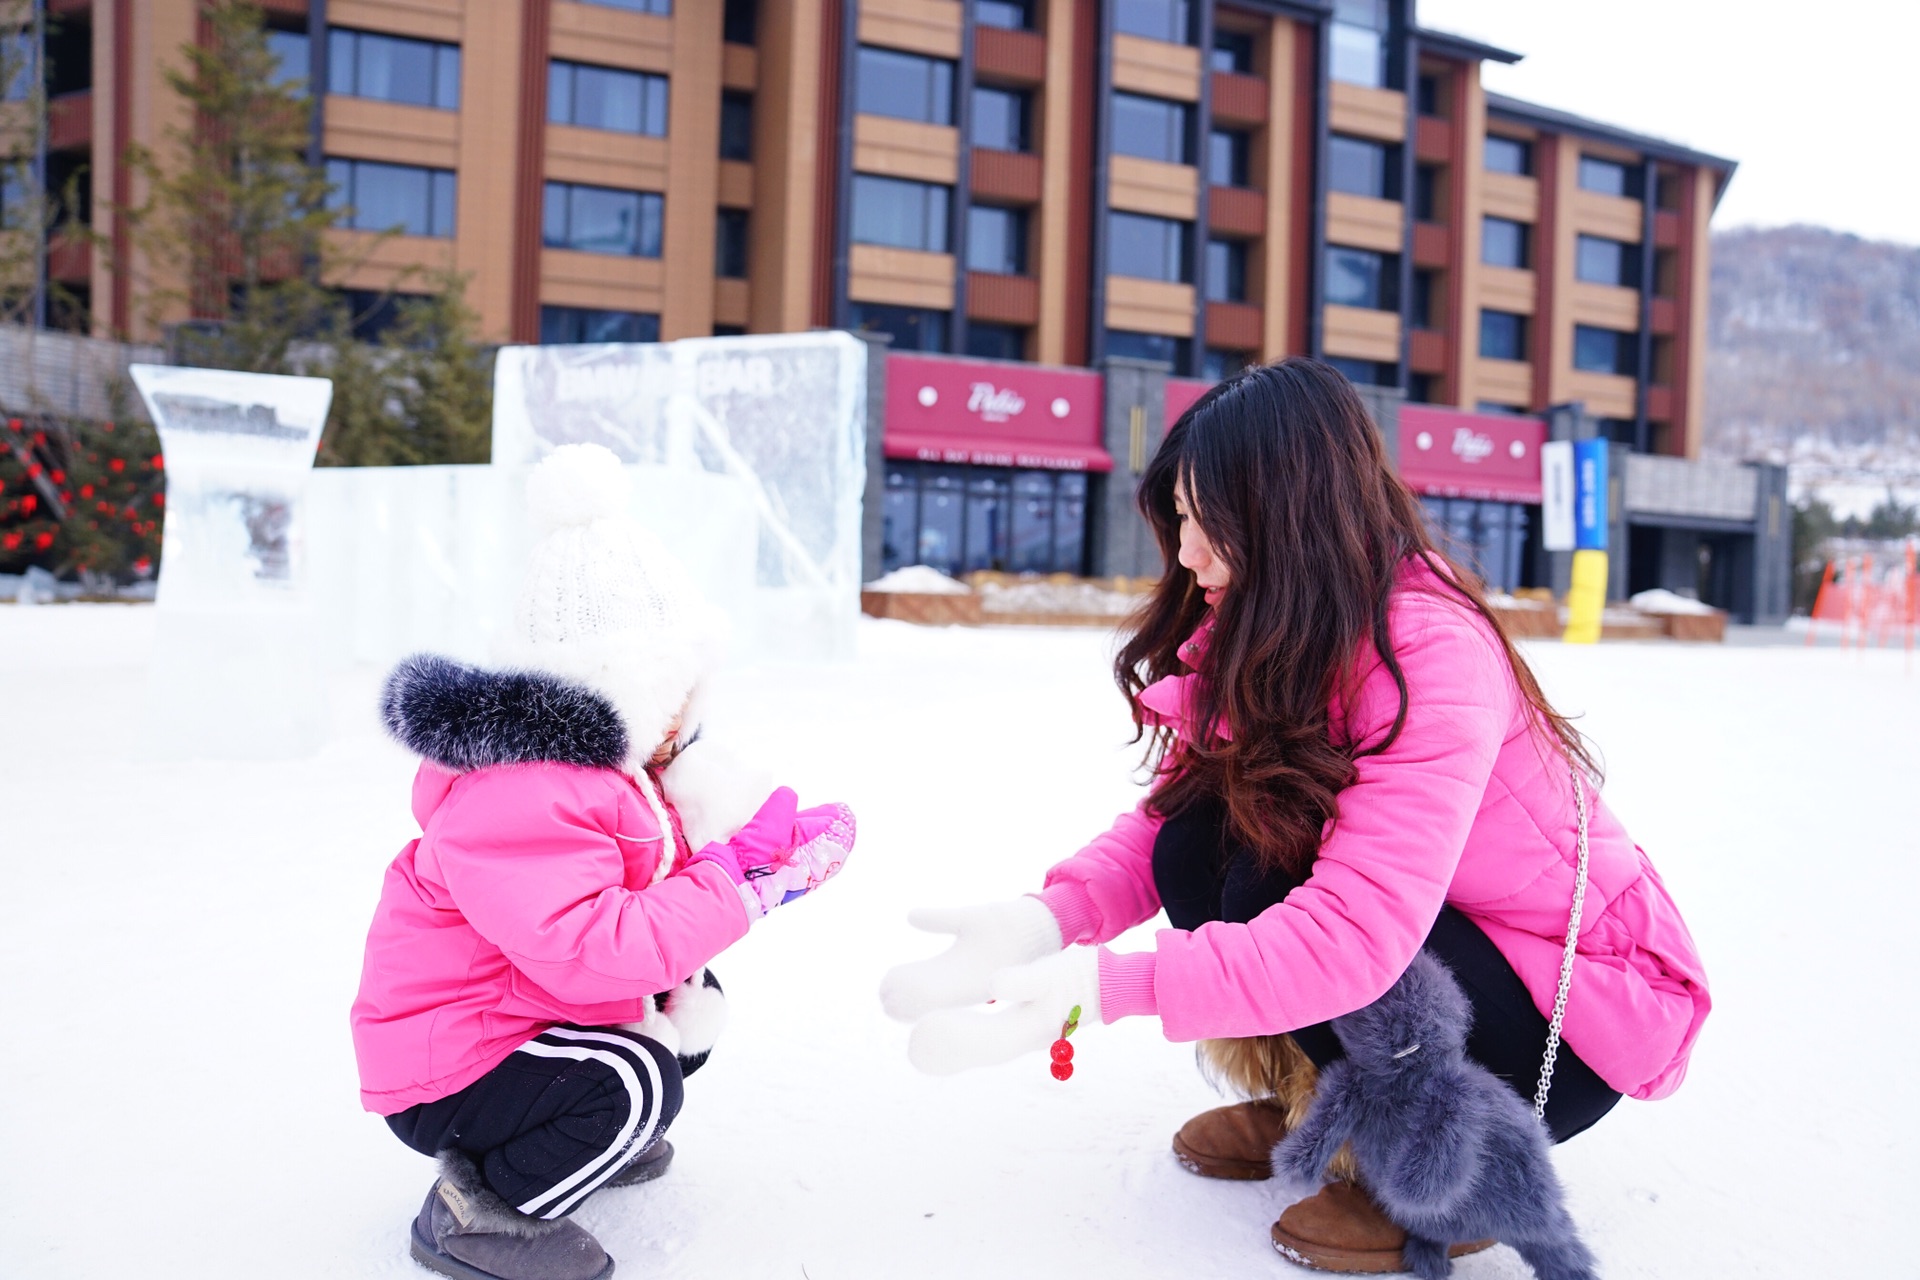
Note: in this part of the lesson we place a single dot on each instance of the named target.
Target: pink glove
(783, 852)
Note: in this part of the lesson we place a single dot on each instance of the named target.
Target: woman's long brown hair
(1285, 473)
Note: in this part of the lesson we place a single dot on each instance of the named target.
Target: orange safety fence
(1870, 604)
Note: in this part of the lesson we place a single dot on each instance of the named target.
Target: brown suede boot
(1340, 1228)
(1232, 1142)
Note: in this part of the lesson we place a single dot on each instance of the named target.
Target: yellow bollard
(1586, 597)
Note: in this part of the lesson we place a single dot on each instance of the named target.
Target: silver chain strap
(1566, 956)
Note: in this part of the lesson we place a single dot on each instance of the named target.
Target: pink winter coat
(1467, 807)
(528, 900)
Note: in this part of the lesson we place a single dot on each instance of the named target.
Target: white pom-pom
(575, 484)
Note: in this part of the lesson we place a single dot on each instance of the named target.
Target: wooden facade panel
(70, 120)
(1361, 222)
(1509, 195)
(1150, 306)
(1508, 382)
(736, 184)
(1156, 68)
(1235, 326)
(1007, 177)
(1003, 299)
(604, 159)
(1508, 289)
(1367, 113)
(1606, 395)
(1607, 306)
(369, 130)
(1432, 245)
(1239, 99)
(739, 67)
(376, 260)
(1660, 404)
(1010, 57)
(612, 37)
(426, 19)
(602, 281)
(1666, 229)
(1361, 334)
(1427, 351)
(906, 149)
(1614, 217)
(1433, 140)
(1237, 211)
(903, 277)
(732, 302)
(1149, 186)
(931, 27)
(1664, 316)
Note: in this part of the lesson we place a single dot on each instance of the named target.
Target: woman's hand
(1037, 997)
(986, 939)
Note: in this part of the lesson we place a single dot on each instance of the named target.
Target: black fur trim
(465, 718)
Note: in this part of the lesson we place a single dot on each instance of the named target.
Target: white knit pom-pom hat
(604, 604)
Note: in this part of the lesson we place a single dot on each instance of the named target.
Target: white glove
(1037, 997)
(987, 938)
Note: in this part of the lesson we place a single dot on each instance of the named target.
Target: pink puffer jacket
(1466, 807)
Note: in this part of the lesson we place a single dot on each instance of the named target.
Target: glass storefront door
(1488, 537)
(959, 519)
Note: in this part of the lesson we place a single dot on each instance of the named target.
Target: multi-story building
(1196, 184)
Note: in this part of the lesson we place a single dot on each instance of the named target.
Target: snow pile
(1084, 599)
(919, 580)
(1662, 601)
(183, 940)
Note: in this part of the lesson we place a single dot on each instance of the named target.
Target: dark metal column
(318, 76)
(841, 308)
(1202, 151)
(1410, 53)
(1317, 252)
(1643, 366)
(962, 202)
(1102, 147)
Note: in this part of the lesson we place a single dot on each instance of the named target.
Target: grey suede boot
(645, 1167)
(466, 1231)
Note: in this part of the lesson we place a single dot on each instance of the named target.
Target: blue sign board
(1590, 495)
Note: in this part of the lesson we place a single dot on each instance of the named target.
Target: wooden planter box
(1540, 623)
(927, 610)
(1708, 627)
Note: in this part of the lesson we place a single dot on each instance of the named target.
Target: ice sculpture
(236, 670)
(748, 457)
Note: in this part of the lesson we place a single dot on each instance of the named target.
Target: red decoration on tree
(43, 541)
(117, 465)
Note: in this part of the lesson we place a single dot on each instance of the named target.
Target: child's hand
(783, 852)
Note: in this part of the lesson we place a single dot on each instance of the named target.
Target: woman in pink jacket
(535, 984)
(1351, 763)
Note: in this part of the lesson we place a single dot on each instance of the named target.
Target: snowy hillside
(181, 942)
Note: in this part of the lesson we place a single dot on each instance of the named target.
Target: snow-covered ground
(181, 941)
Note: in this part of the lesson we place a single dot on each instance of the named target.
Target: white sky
(1820, 103)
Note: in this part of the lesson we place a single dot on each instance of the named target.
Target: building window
(997, 240)
(1227, 157)
(371, 313)
(1488, 537)
(1427, 93)
(419, 73)
(1232, 51)
(1169, 20)
(585, 324)
(736, 126)
(1609, 177)
(383, 197)
(1421, 388)
(1152, 128)
(292, 57)
(1426, 193)
(1503, 243)
(1360, 42)
(1362, 278)
(1226, 271)
(1365, 373)
(1163, 347)
(960, 519)
(739, 22)
(904, 86)
(911, 328)
(605, 98)
(1148, 247)
(1362, 168)
(1601, 261)
(1217, 365)
(1001, 118)
(1008, 15)
(996, 341)
(602, 220)
(1494, 406)
(1426, 288)
(1508, 155)
(899, 213)
(730, 245)
(658, 8)
(1666, 273)
(1503, 335)
(1598, 350)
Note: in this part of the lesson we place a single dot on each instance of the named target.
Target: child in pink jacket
(535, 982)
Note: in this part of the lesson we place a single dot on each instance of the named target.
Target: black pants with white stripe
(560, 1116)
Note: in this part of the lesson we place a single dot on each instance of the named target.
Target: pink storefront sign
(1181, 394)
(1446, 453)
(989, 414)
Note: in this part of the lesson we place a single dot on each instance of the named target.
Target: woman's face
(1196, 553)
